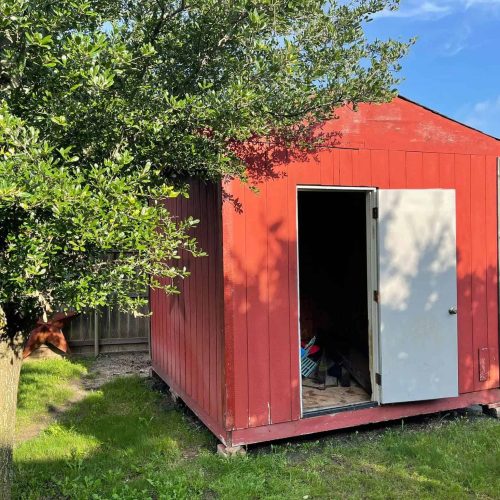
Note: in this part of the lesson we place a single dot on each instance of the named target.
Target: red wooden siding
(187, 344)
(399, 145)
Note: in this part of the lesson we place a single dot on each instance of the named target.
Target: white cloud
(483, 115)
(458, 41)
(452, 37)
(484, 3)
(418, 9)
(436, 9)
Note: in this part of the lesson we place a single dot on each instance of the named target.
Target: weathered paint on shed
(251, 331)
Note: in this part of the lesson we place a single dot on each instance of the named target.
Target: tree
(109, 106)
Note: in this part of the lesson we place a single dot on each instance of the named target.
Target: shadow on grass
(45, 387)
(107, 442)
(128, 441)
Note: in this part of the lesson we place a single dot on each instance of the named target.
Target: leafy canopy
(109, 106)
(60, 223)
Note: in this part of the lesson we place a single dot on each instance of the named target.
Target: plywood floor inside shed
(315, 398)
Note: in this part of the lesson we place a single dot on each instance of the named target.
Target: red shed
(358, 285)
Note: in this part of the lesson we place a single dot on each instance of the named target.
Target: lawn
(128, 441)
(45, 386)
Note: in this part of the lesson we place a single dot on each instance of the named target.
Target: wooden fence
(108, 330)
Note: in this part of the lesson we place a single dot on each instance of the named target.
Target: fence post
(96, 334)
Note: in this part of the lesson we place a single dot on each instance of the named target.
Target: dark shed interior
(333, 297)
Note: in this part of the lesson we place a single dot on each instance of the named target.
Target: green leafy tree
(107, 107)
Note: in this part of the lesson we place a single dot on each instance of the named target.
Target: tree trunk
(10, 366)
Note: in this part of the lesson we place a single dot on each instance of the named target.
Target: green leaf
(59, 120)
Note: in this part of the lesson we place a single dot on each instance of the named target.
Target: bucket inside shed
(333, 292)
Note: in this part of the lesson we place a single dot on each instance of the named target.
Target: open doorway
(333, 293)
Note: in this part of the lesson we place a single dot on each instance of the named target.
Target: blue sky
(454, 67)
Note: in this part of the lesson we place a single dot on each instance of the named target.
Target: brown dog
(49, 333)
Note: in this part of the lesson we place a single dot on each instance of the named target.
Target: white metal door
(417, 295)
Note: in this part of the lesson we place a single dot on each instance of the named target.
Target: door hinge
(376, 296)
(378, 379)
(375, 212)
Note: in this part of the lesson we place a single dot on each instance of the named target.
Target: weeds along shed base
(374, 262)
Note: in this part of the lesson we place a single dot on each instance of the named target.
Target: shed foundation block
(493, 410)
(230, 451)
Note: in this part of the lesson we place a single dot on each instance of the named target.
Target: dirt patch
(109, 366)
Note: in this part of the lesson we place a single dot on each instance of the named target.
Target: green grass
(127, 442)
(45, 384)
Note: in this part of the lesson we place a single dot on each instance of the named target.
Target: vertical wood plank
(291, 214)
(171, 324)
(164, 334)
(167, 354)
(187, 324)
(190, 304)
(185, 305)
(492, 268)
(166, 348)
(156, 327)
(152, 307)
(447, 171)
(181, 316)
(212, 269)
(362, 175)
(257, 307)
(397, 169)
(178, 335)
(220, 308)
(345, 167)
(175, 320)
(155, 308)
(198, 374)
(326, 168)
(235, 276)
(336, 167)
(380, 168)
(355, 166)
(464, 273)
(200, 284)
(478, 254)
(118, 327)
(430, 170)
(159, 330)
(205, 365)
(96, 334)
(414, 173)
(278, 296)
(172, 320)
(206, 300)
